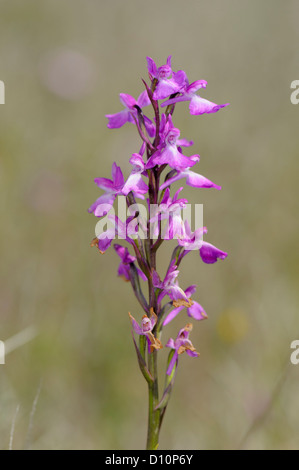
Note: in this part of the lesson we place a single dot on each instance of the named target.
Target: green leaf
(142, 365)
(169, 382)
(142, 345)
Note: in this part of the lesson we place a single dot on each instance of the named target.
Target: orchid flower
(171, 154)
(195, 310)
(146, 329)
(180, 345)
(197, 105)
(169, 286)
(127, 115)
(165, 85)
(116, 187)
(126, 260)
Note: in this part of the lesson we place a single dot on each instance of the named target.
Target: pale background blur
(77, 385)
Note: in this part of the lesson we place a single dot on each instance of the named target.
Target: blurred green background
(71, 381)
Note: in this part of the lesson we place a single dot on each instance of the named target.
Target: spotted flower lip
(117, 120)
(165, 85)
(197, 104)
(180, 345)
(145, 328)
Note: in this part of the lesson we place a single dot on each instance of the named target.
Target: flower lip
(146, 324)
(172, 136)
(164, 72)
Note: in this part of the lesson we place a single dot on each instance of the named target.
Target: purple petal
(152, 68)
(176, 228)
(163, 124)
(198, 181)
(153, 321)
(181, 78)
(102, 205)
(127, 100)
(143, 99)
(136, 184)
(193, 87)
(175, 100)
(165, 197)
(165, 88)
(190, 290)
(137, 161)
(197, 312)
(172, 180)
(151, 161)
(156, 280)
(170, 344)
(176, 195)
(117, 176)
(124, 254)
(192, 353)
(121, 228)
(172, 135)
(172, 315)
(105, 240)
(136, 327)
(150, 128)
(148, 344)
(130, 117)
(174, 158)
(182, 336)
(117, 120)
(172, 362)
(184, 142)
(192, 241)
(104, 183)
(161, 296)
(199, 106)
(210, 254)
(176, 293)
(124, 271)
(168, 62)
(103, 209)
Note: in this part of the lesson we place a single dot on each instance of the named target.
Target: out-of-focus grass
(54, 141)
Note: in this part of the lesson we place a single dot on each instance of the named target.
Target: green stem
(153, 415)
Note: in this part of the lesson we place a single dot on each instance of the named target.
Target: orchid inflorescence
(160, 152)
